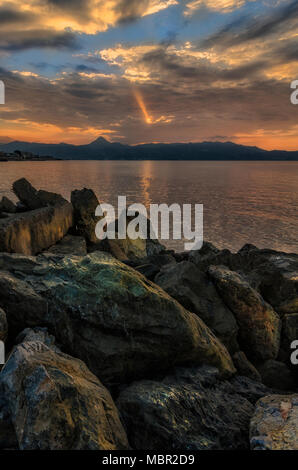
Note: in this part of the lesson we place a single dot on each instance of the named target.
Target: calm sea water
(244, 202)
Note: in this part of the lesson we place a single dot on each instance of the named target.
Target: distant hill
(101, 149)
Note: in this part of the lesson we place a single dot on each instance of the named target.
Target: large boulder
(275, 275)
(259, 324)
(190, 410)
(34, 231)
(107, 314)
(33, 198)
(194, 290)
(274, 424)
(3, 325)
(84, 203)
(56, 403)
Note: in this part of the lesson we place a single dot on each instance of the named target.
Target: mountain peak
(100, 141)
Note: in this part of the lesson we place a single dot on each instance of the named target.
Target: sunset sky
(139, 71)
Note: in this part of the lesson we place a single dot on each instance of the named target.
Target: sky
(136, 71)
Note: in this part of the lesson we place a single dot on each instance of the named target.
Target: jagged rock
(6, 205)
(275, 275)
(259, 324)
(274, 424)
(34, 231)
(192, 288)
(37, 334)
(277, 375)
(190, 410)
(33, 198)
(70, 245)
(3, 325)
(120, 324)
(23, 306)
(84, 203)
(246, 368)
(56, 403)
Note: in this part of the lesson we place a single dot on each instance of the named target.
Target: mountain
(102, 149)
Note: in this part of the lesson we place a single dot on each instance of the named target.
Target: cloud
(84, 16)
(41, 38)
(247, 29)
(224, 6)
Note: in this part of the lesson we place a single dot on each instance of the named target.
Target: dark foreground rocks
(274, 424)
(190, 410)
(186, 343)
(55, 403)
(104, 312)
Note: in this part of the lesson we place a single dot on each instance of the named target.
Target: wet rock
(246, 368)
(70, 245)
(85, 202)
(56, 403)
(3, 325)
(192, 288)
(33, 198)
(34, 231)
(6, 205)
(190, 410)
(277, 375)
(274, 424)
(120, 324)
(259, 325)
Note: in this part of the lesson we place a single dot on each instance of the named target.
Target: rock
(274, 424)
(190, 410)
(56, 403)
(192, 288)
(3, 325)
(277, 375)
(124, 250)
(148, 270)
(246, 368)
(23, 307)
(37, 334)
(32, 232)
(85, 202)
(8, 439)
(6, 205)
(70, 245)
(34, 199)
(123, 326)
(259, 325)
(275, 275)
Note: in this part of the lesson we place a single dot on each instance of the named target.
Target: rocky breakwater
(118, 346)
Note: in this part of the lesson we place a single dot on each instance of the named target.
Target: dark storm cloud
(40, 38)
(9, 15)
(172, 67)
(130, 10)
(246, 29)
(79, 9)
